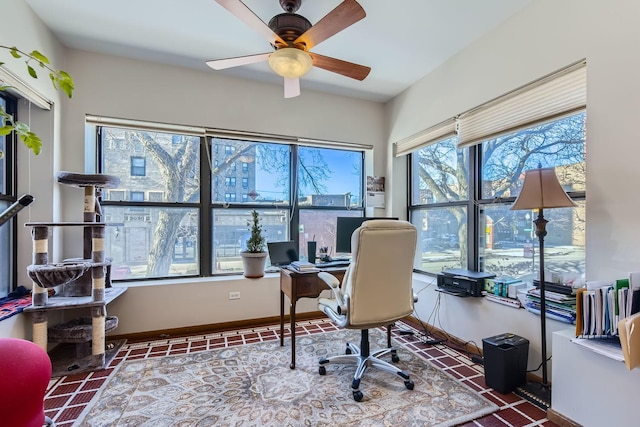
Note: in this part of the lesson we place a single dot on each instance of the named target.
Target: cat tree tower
(82, 283)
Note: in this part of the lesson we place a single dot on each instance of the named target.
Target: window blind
(432, 135)
(146, 126)
(552, 97)
(18, 87)
(221, 133)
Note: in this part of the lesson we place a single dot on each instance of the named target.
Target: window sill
(189, 280)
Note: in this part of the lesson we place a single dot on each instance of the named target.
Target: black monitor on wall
(345, 226)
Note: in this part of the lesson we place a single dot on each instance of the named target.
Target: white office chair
(376, 291)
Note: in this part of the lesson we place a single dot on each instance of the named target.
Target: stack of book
(504, 286)
(303, 266)
(558, 306)
(504, 290)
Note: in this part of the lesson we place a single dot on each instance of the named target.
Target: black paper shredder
(505, 362)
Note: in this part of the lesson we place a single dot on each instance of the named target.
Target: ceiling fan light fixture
(290, 62)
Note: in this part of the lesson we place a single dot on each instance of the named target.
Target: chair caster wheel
(322, 370)
(357, 395)
(409, 384)
(395, 358)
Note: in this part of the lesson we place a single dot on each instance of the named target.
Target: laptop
(282, 254)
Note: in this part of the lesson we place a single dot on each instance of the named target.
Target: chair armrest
(338, 296)
(329, 279)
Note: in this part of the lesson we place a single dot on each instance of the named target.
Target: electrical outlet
(234, 295)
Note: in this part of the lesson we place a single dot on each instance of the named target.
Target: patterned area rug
(252, 385)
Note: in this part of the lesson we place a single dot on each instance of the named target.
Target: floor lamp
(542, 190)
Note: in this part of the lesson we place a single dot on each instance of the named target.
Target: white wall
(544, 37)
(592, 389)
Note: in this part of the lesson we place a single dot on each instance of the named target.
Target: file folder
(629, 330)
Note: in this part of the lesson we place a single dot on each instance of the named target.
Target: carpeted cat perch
(82, 280)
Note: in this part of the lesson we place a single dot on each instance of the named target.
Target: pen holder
(311, 252)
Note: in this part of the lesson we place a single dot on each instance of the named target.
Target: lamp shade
(290, 62)
(540, 190)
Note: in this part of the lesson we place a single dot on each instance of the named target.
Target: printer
(462, 282)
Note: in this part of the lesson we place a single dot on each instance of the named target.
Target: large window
(439, 205)
(462, 206)
(299, 191)
(187, 214)
(155, 209)
(7, 197)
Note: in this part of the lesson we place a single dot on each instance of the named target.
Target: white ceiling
(400, 40)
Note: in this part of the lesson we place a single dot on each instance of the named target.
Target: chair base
(363, 358)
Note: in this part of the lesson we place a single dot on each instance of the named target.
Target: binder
(620, 284)
(635, 301)
(580, 313)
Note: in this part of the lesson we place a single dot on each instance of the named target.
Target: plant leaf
(40, 57)
(67, 87)
(5, 130)
(32, 72)
(32, 141)
(21, 128)
(14, 52)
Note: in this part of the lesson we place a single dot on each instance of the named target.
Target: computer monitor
(345, 226)
(282, 254)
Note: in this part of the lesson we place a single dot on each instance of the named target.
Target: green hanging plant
(60, 79)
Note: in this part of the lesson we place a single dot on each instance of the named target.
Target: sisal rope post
(89, 216)
(40, 241)
(97, 257)
(98, 319)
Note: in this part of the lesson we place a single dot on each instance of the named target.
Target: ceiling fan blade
(344, 15)
(349, 69)
(221, 64)
(291, 87)
(242, 12)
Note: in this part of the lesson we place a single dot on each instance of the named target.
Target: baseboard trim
(214, 327)
(440, 334)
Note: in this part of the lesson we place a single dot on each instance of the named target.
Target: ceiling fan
(292, 36)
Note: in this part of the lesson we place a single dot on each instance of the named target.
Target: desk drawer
(307, 285)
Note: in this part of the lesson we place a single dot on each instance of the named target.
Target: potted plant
(255, 257)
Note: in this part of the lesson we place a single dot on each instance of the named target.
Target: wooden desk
(297, 285)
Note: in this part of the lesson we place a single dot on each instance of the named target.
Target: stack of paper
(557, 306)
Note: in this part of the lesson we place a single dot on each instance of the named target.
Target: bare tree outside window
(161, 210)
(442, 195)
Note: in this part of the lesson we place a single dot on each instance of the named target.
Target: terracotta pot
(253, 263)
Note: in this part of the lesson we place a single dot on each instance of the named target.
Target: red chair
(25, 371)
